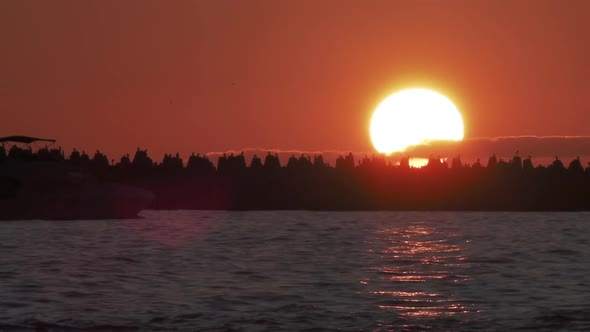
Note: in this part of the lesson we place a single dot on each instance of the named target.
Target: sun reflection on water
(421, 268)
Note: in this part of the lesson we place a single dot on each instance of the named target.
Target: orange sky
(216, 75)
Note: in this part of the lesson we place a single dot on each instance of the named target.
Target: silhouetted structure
(199, 164)
(45, 185)
(308, 182)
(272, 162)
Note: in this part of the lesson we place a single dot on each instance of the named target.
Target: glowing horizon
(413, 117)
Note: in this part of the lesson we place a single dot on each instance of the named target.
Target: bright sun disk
(413, 117)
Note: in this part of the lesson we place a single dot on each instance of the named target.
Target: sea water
(298, 271)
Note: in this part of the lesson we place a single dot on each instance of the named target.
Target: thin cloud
(541, 148)
(329, 156)
(508, 146)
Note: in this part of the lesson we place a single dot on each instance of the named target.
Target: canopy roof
(24, 139)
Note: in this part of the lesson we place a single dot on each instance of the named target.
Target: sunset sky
(202, 76)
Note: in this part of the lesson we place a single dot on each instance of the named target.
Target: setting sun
(413, 117)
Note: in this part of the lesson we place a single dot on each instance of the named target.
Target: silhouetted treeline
(308, 182)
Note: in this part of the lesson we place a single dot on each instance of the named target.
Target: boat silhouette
(52, 191)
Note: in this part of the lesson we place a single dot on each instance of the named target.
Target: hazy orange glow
(418, 162)
(201, 76)
(413, 117)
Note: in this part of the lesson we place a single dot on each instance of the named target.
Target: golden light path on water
(422, 266)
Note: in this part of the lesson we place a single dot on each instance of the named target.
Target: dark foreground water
(297, 271)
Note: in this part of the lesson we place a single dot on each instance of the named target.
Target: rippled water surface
(296, 271)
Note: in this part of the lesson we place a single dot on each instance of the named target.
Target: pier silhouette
(308, 182)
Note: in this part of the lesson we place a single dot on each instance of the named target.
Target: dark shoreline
(311, 184)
